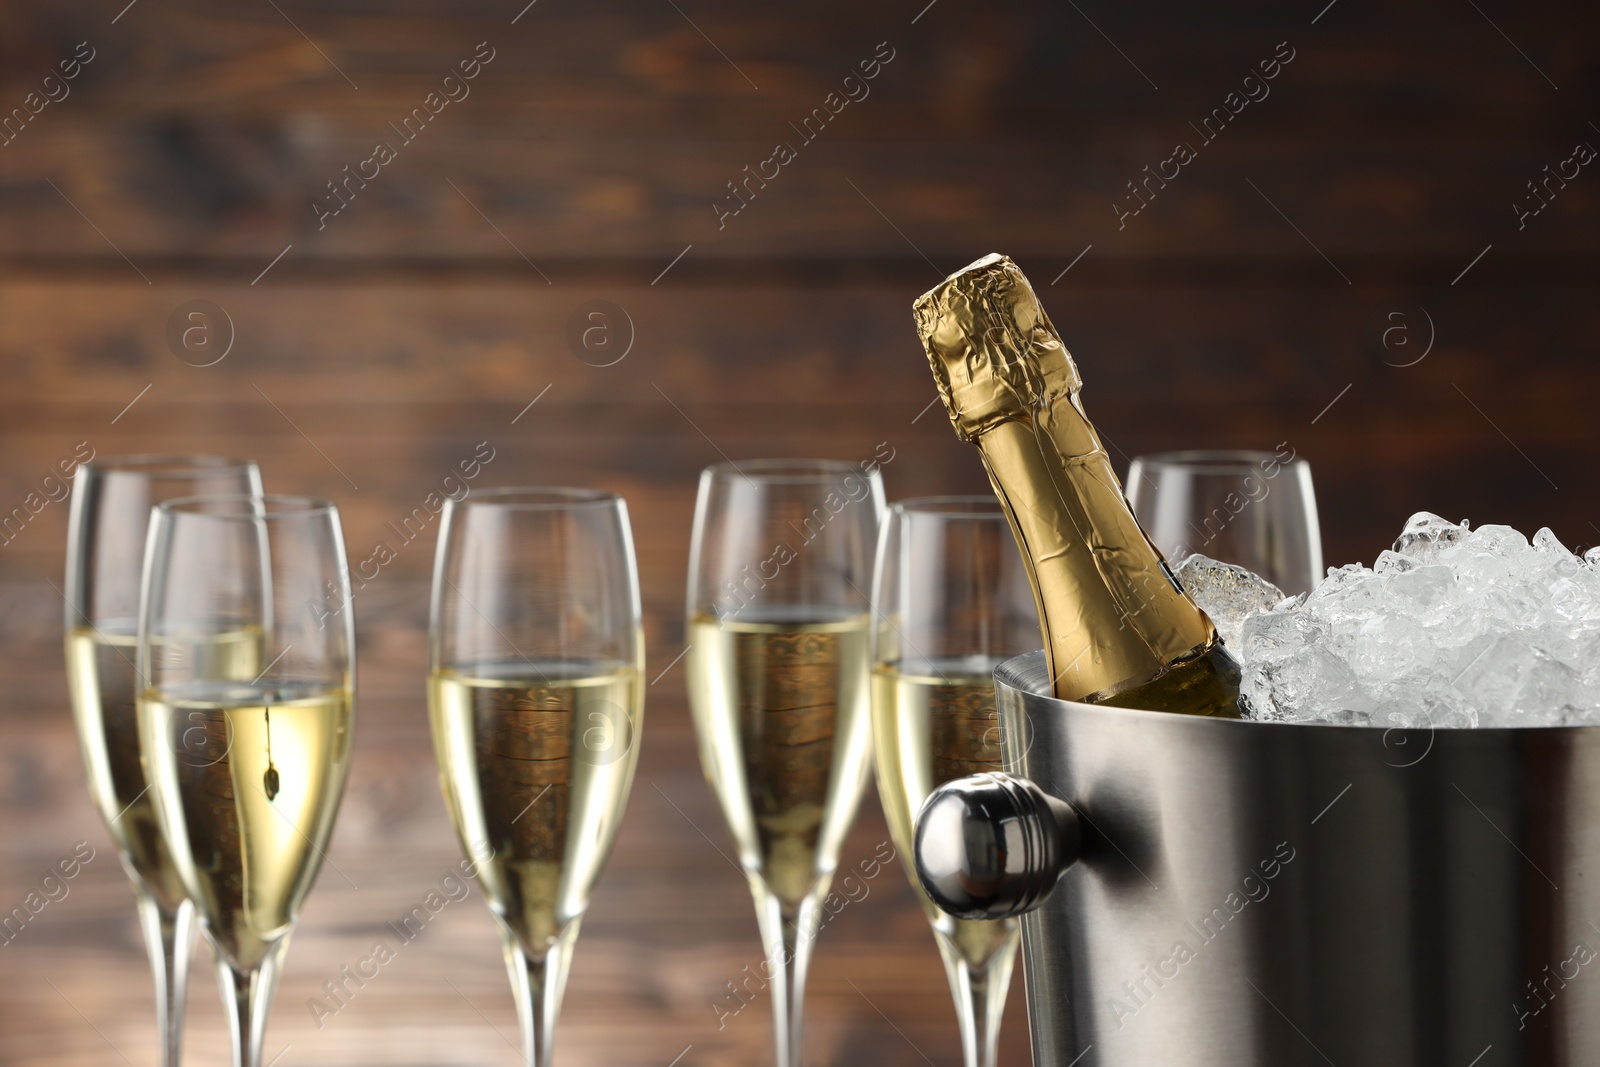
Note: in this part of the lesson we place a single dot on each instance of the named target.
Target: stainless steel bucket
(1238, 894)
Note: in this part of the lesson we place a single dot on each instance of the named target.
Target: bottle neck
(1111, 614)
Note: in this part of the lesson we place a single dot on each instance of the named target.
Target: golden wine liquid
(101, 675)
(536, 762)
(930, 727)
(781, 709)
(247, 779)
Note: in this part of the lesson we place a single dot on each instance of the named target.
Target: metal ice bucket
(1239, 894)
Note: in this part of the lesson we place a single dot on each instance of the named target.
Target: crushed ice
(1453, 627)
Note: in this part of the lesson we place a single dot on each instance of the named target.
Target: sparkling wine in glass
(536, 702)
(246, 656)
(111, 503)
(779, 569)
(950, 601)
(1253, 509)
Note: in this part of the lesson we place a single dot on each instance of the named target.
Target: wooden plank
(611, 133)
(994, 66)
(479, 193)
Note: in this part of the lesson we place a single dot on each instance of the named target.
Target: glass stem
(788, 933)
(537, 983)
(980, 995)
(169, 937)
(247, 996)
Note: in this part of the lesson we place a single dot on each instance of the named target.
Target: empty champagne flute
(1257, 510)
(111, 502)
(536, 703)
(779, 567)
(245, 655)
(950, 600)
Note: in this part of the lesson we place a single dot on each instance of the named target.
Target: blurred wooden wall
(1250, 302)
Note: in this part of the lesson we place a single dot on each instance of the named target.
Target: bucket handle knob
(992, 846)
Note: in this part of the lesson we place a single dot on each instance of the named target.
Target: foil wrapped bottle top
(995, 354)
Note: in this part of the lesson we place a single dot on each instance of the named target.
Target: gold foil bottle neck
(1116, 625)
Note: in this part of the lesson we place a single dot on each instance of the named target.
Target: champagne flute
(246, 649)
(779, 566)
(1253, 509)
(536, 701)
(950, 600)
(111, 504)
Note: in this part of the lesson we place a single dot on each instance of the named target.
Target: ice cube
(1496, 540)
(1394, 563)
(1547, 542)
(1425, 533)
(1228, 593)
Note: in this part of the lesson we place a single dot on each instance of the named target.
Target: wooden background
(1244, 307)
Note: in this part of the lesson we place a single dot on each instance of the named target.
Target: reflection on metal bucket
(1272, 895)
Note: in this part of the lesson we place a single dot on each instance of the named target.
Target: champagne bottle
(1118, 628)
